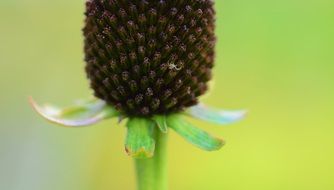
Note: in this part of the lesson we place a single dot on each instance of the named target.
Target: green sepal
(161, 122)
(140, 138)
(192, 134)
(82, 114)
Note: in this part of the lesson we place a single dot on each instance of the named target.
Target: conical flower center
(149, 57)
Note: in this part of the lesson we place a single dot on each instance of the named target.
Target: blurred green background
(274, 58)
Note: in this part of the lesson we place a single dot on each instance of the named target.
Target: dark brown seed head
(149, 57)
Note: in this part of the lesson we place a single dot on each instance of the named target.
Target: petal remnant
(221, 117)
(80, 115)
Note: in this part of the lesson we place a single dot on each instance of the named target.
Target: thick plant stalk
(152, 172)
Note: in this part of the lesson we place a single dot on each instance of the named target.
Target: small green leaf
(192, 134)
(221, 117)
(161, 122)
(139, 140)
(83, 114)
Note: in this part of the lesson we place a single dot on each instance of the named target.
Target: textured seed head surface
(149, 57)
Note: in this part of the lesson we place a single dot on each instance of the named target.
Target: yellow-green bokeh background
(274, 58)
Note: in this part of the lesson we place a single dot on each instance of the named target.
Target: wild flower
(148, 61)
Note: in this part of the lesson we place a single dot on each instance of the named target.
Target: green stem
(152, 172)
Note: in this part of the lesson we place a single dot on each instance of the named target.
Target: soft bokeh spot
(275, 58)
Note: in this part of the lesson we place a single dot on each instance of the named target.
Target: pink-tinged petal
(80, 115)
(221, 117)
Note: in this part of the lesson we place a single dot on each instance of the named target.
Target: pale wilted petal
(83, 114)
(221, 117)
